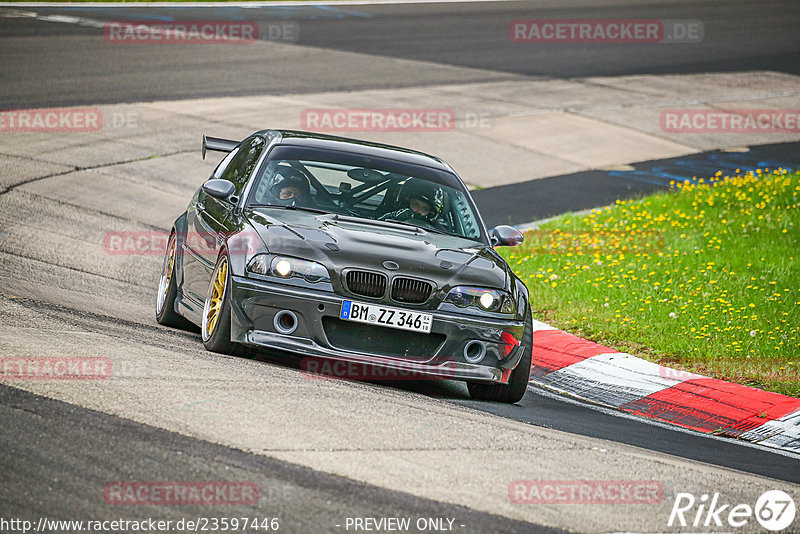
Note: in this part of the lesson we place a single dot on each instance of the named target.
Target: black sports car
(344, 250)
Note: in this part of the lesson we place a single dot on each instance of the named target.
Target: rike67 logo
(774, 510)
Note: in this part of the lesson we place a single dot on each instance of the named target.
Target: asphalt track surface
(55, 64)
(596, 188)
(103, 448)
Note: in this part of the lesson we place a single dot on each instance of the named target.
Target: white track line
(613, 379)
(560, 396)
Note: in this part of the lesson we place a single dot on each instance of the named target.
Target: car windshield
(366, 187)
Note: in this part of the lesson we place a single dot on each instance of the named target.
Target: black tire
(168, 290)
(518, 382)
(218, 338)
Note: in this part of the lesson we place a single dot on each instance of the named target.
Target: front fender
(180, 228)
(241, 246)
(522, 296)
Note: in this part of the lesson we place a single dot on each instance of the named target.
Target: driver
(425, 201)
(289, 187)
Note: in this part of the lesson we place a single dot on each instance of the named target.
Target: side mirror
(506, 236)
(221, 189)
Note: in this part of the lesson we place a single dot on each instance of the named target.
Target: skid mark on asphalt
(58, 317)
(77, 270)
(84, 168)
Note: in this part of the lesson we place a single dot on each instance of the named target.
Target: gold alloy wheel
(166, 274)
(213, 305)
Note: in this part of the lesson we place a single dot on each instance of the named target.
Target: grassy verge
(704, 278)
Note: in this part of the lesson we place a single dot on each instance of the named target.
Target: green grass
(704, 278)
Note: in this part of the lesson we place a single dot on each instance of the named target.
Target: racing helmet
(425, 191)
(289, 187)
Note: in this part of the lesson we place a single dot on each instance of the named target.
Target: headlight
(285, 267)
(282, 267)
(492, 300)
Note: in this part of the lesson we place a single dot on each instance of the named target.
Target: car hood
(341, 242)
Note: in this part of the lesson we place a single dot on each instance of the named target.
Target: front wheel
(518, 382)
(216, 327)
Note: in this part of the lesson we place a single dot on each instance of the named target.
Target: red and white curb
(568, 364)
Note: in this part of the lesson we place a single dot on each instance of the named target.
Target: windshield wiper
(298, 208)
(394, 223)
(437, 231)
(425, 228)
(389, 223)
(398, 221)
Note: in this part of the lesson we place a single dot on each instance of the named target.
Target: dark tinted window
(242, 164)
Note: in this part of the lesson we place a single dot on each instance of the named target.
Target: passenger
(424, 203)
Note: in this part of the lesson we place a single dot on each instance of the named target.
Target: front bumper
(255, 303)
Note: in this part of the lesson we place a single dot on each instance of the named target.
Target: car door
(210, 220)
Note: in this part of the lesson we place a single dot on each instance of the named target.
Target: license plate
(383, 316)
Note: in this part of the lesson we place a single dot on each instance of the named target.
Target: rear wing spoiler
(217, 144)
